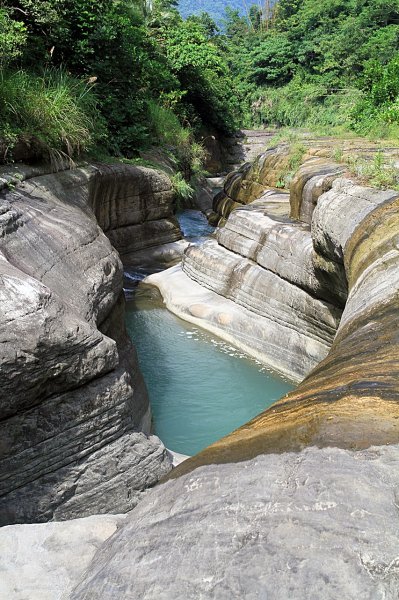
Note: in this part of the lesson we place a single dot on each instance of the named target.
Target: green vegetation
(215, 8)
(110, 77)
(318, 64)
(55, 110)
(115, 77)
(295, 156)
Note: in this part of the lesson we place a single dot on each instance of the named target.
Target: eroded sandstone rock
(74, 410)
(350, 399)
(315, 524)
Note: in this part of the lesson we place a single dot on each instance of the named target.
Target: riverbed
(200, 387)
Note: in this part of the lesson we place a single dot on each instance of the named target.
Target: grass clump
(297, 151)
(169, 133)
(378, 171)
(183, 190)
(55, 110)
(186, 154)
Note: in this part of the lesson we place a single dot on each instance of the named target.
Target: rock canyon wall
(301, 502)
(317, 268)
(75, 417)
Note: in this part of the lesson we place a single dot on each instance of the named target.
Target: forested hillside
(114, 76)
(215, 8)
(117, 76)
(323, 63)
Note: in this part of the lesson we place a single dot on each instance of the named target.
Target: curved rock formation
(307, 507)
(267, 291)
(74, 412)
(350, 399)
(321, 524)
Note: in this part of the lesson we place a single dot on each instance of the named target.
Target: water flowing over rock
(74, 409)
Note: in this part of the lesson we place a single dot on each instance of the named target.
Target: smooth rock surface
(44, 562)
(256, 335)
(74, 411)
(318, 524)
(351, 399)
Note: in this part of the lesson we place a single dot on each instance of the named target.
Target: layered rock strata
(267, 290)
(307, 507)
(264, 260)
(350, 399)
(73, 406)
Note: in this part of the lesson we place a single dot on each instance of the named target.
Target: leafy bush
(13, 36)
(300, 104)
(380, 101)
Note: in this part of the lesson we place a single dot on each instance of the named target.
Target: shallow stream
(200, 388)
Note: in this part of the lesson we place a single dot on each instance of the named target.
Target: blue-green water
(200, 387)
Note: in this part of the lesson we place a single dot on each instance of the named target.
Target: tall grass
(59, 111)
(302, 104)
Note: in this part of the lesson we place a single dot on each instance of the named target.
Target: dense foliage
(127, 55)
(324, 62)
(122, 75)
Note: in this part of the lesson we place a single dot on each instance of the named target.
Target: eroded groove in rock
(350, 399)
(349, 257)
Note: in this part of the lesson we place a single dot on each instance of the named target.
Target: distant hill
(215, 8)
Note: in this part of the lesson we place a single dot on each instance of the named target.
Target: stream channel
(200, 387)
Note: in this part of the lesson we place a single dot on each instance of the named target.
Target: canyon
(299, 502)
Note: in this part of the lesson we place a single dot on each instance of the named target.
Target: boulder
(315, 524)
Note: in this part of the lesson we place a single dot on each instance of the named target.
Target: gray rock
(258, 231)
(74, 410)
(260, 290)
(44, 562)
(340, 211)
(320, 524)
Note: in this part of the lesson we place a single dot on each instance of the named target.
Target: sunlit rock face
(300, 502)
(350, 399)
(283, 300)
(315, 296)
(315, 524)
(73, 405)
(44, 561)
